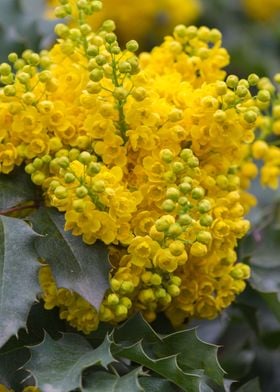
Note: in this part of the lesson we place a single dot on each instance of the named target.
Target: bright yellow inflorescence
(26, 389)
(158, 17)
(151, 155)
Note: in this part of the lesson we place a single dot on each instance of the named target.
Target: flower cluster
(158, 17)
(150, 155)
(26, 389)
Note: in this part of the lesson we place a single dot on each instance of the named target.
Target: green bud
(185, 187)
(29, 169)
(60, 192)
(113, 299)
(5, 69)
(10, 90)
(183, 201)
(185, 220)
(172, 193)
(97, 6)
(232, 81)
(186, 154)
(63, 162)
(110, 38)
(100, 59)
(175, 230)
(173, 290)
(250, 116)
(193, 162)
(168, 205)
(166, 155)
(37, 163)
(94, 87)
(124, 67)
(85, 29)
(263, 95)
(85, 157)
(253, 79)
(69, 178)
(204, 237)
(12, 57)
(206, 220)
(98, 186)
(198, 193)
(108, 25)
(132, 46)
(176, 280)
(79, 205)
(73, 154)
(139, 93)
(38, 178)
(120, 93)
(92, 50)
(241, 91)
(178, 167)
(81, 191)
(93, 168)
(204, 206)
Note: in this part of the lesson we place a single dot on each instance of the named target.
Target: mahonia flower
(157, 17)
(152, 155)
(26, 389)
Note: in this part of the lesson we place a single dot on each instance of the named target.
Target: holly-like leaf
(15, 188)
(166, 367)
(156, 384)
(263, 248)
(192, 353)
(250, 386)
(10, 362)
(99, 381)
(75, 265)
(57, 365)
(18, 275)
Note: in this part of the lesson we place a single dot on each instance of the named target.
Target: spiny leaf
(75, 265)
(156, 384)
(167, 367)
(15, 188)
(263, 247)
(250, 386)
(18, 275)
(106, 382)
(57, 365)
(134, 329)
(193, 353)
(10, 362)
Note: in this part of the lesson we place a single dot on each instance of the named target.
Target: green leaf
(15, 188)
(250, 386)
(184, 347)
(272, 300)
(18, 275)
(263, 248)
(156, 384)
(75, 265)
(179, 357)
(166, 367)
(100, 381)
(10, 362)
(57, 365)
(193, 353)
